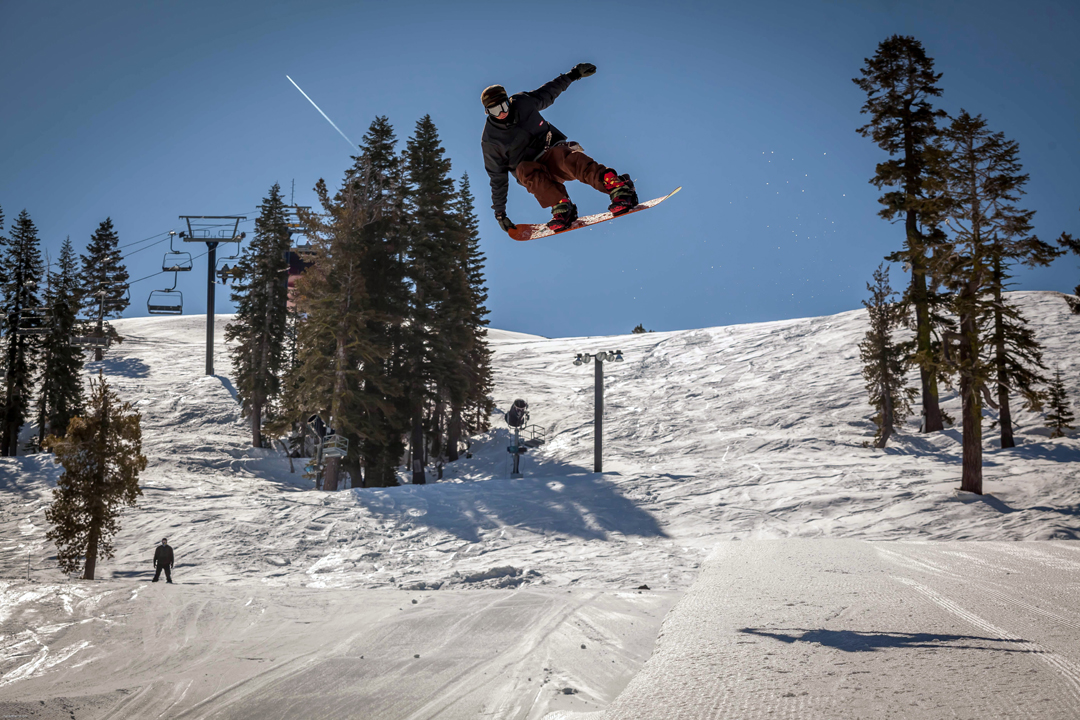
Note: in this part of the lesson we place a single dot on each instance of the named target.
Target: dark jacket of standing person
(163, 556)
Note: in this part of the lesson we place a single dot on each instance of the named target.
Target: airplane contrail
(351, 143)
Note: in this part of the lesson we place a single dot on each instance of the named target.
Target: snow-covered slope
(732, 433)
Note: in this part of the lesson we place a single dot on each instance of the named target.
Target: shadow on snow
(121, 367)
(855, 641)
(576, 503)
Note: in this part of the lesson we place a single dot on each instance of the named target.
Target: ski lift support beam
(212, 230)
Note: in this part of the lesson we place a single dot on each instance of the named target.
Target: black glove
(582, 70)
(504, 222)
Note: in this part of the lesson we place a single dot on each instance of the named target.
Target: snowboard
(524, 231)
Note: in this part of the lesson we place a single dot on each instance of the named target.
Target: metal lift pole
(211, 265)
(598, 422)
(207, 229)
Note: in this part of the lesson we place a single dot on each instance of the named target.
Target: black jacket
(524, 135)
(163, 556)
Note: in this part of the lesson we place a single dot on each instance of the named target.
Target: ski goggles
(497, 110)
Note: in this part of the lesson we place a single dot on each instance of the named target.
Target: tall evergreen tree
(102, 458)
(385, 421)
(477, 355)
(261, 297)
(899, 82)
(964, 265)
(1059, 416)
(104, 281)
(61, 378)
(431, 268)
(334, 344)
(883, 362)
(21, 288)
(985, 181)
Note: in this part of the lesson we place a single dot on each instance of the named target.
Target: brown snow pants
(545, 176)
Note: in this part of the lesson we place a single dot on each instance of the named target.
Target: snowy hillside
(750, 432)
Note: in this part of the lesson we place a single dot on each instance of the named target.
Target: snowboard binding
(563, 215)
(622, 192)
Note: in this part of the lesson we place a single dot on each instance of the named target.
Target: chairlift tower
(212, 230)
(598, 400)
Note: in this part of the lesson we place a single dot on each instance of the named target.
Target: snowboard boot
(621, 190)
(563, 215)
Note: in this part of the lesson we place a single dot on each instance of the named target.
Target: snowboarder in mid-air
(519, 140)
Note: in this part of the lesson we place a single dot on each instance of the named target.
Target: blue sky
(143, 112)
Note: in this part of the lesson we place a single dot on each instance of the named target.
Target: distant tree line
(386, 339)
(50, 313)
(955, 185)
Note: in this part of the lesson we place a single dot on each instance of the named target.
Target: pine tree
(477, 358)
(883, 362)
(640, 330)
(984, 175)
(964, 265)
(261, 297)
(102, 458)
(431, 268)
(61, 377)
(1059, 416)
(334, 344)
(104, 281)
(385, 421)
(899, 82)
(21, 260)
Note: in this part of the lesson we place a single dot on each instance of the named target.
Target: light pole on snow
(598, 401)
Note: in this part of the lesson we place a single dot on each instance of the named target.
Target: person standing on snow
(163, 560)
(519, 140)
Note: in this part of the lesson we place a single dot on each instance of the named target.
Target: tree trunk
(971, 475)
(98, 356)
(8, 448)
(10, 442)
(932, 420)
(931, 410)
(453, 433)
(971, 478)
(1004, 412)
(91, 550)
(887, 419)
(437, 429)
(330, 474)
(256, 424)
(417, 443)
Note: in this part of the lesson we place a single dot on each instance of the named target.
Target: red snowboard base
(531, 232)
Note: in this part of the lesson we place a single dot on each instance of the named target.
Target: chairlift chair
(165, 302)
(175, 260)
(335, 446)
(112, 304)
(169, 301)
(89, 341)
(226, 272)
(227, 267)
(33, 315)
